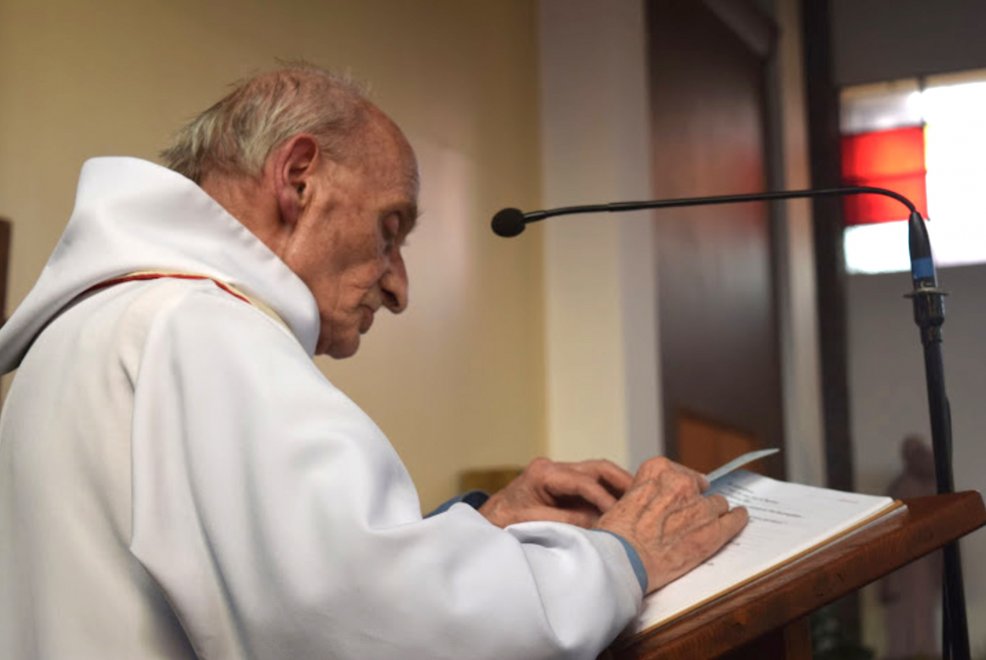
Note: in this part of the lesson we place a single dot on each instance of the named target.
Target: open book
(787, 522)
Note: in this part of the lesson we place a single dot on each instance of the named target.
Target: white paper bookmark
(739, 462)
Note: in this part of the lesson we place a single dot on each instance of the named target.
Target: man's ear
(294, 164)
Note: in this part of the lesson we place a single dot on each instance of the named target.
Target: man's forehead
(385, 149)
(400, 180)
(408, 163)
(400, 166)
(397, 181)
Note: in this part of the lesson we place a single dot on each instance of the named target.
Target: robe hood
(132, 215)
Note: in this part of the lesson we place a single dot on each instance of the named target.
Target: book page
(786, 520)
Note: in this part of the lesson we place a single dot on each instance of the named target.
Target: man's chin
(339, 350)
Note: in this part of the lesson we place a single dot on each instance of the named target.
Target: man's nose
(394, 284)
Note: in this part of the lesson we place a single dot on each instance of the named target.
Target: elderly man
(177, 479)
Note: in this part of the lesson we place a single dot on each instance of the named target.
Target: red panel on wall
(891, 159)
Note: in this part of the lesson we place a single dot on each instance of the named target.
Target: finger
(679, 488)
(701, 484)
(695, 514)
(694, 474)
(631, 507)
(656, 506)
(726, 528)
(616, 479)
(560, 481)
(707, 507)
(654, 467)
(717, 504)
(720, 531)
(564, 483)
(733, 522)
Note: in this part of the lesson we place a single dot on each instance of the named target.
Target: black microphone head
(508, 222)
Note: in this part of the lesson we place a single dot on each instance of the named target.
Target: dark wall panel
(718, 325)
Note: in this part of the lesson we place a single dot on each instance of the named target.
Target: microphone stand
(929, 314)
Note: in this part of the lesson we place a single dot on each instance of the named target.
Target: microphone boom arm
(534, 216)
(929, 314)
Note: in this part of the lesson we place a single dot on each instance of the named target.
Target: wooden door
(718, 319)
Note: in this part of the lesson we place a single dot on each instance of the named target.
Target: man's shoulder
(139, 315)
(196, 325)
(205, 306)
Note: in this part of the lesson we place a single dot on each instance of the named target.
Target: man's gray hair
(236, 135)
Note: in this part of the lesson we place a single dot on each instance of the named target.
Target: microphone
(929, 314)
(508, 222)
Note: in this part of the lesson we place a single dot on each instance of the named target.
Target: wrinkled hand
(575, 493)
(669, 522)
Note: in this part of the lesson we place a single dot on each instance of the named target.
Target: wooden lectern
(768, 618)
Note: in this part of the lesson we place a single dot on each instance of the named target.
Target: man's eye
(391, 230)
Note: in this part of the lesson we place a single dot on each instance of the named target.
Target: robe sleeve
(279, 521)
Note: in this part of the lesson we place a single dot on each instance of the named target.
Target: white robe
(177, 478)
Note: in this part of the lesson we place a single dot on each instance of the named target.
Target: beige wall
(795, 254)
(458, 380)
(603, 379)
